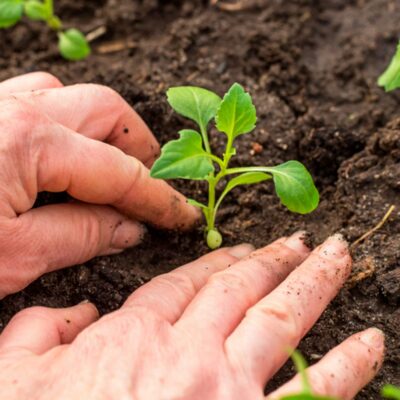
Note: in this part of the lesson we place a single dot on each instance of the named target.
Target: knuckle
(114, 99)
(19, 119)
(319, 382)
(36, 312)
(278, 315)
(47, 80)
(178, 281)
(228, 280)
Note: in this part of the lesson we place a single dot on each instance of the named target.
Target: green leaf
(183, 158)
(36, 10)
(73, 45)
(236, 114)
(306, 396)
(247, 178)
(295, 187)
(197, 104)
(10, 12)
(391, 392)
(390, 79)
(196, 203)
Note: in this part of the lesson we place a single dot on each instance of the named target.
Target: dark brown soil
(311, 67)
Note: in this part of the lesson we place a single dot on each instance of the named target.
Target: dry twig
(227, 6)
(374, 229)
(96, 33)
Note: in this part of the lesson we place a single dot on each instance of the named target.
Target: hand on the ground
(215, 329)
(86, 140)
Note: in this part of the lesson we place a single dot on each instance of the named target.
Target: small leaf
(73, 45)
(390, 79)
(183, 158)
(247, 178)
(236, 114)
(197, 104)
(36, 10)
(391, 392)
(295, 187)
(196, 203)
(10, 12)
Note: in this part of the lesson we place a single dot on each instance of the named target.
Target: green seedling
(390, 79)
(191, 157)
(391, 392)
(306, 393)
(72, 43)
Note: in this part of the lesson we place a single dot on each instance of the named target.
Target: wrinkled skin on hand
(217, 328)
(87, 141)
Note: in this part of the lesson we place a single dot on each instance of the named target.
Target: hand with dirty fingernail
(216, 328)
(92, 145)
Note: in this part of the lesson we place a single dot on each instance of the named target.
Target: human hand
(217, 328)
(102, 167)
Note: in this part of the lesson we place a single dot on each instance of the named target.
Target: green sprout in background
(388, 391)
(390, 79)
(306, 393)
(72, 43)
(191, 157)
(391, 392)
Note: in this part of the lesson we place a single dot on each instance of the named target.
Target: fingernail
(373, 337)
(334, 247)
(241, 250)
(297, 241)
(86, 301)
(127, 234)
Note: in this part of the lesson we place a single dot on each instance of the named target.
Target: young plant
(72, 43)
(390, 79)
(307, 393)
(191, 157)
(391, 392)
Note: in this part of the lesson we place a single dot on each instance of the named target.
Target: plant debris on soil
(311, 67)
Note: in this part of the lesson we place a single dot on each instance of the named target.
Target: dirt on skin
(311, 67)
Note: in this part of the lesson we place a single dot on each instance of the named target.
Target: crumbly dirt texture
(311, 67)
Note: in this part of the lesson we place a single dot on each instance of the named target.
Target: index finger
(99, 113)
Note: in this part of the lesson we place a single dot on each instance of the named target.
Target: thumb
(38, 329)
(51, 237)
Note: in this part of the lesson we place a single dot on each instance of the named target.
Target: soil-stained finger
(344, 371)
(169, 294)
(60, 235)
(282, 318)
(222, 303)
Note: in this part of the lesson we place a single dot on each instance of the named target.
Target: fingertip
(299, 242)
(127, 233)
(90, 308)
(335, 247)
(373, 338)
